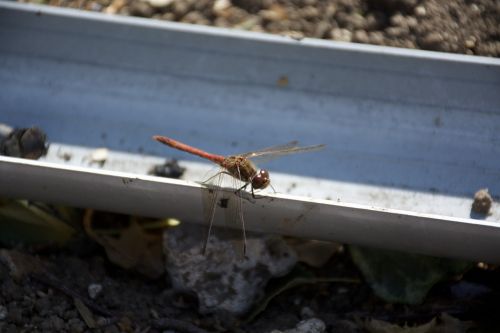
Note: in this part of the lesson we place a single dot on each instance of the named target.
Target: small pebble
(220, 6)
(297, 35)
(100, 155)
(309, 12)
(322, 29)
(396, 31)
(342, 35)
(94, 290)
(3, 312)
(141, 9)
(307, 313)
(377, 38)
(482, 202)
(432, 41)
(159, 3)
(312, 325)
(420, 11)
(398, 20)
(475, 8)
(360, 36)
(470, 42)
(169, 169)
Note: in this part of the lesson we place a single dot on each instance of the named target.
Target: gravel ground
(462, 26)
(44, 292)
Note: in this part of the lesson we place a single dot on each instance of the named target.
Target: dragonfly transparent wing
(210, 203)
(254, 153)
(231, 203)
(281, 150)
(239, 214)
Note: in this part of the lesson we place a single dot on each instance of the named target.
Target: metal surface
(276, 213)
(408, 130)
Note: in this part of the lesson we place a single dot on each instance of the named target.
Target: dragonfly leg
(241, 188)
(257, 196)
(212, 206)
(242, 219)
(216, 175)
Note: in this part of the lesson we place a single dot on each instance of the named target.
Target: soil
(44, 300)
(458, 26)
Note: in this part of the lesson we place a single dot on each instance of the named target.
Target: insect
(241, 168)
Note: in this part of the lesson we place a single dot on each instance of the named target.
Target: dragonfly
(241, 168)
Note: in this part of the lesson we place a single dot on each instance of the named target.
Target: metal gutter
(276, 213)
(410, 135)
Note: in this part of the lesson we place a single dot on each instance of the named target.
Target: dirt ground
(45, 300)
(461, 26)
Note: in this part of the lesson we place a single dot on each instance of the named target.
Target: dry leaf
(133, 248)
(20, 264)
(379, 326)
(314, 253)
(444, 324)
(28, 223)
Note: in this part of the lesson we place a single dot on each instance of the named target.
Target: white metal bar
(275, 213)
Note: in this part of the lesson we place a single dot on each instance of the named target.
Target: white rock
(224, 281)
(221, 5)
(159, 3)
(313, 325)
(420, 11)
(100, 155)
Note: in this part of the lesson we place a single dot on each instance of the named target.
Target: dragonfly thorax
(243, 169)
(240, 168)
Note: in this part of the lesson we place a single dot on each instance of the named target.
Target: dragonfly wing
(210, 203)
(270, 154)
(270, 150)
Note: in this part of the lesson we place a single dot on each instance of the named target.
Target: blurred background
(463, 26)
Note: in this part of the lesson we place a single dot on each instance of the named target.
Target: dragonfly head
(261, 180)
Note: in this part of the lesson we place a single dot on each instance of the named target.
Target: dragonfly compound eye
(261, 180)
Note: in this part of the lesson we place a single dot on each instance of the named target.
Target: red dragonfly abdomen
(195, 151)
